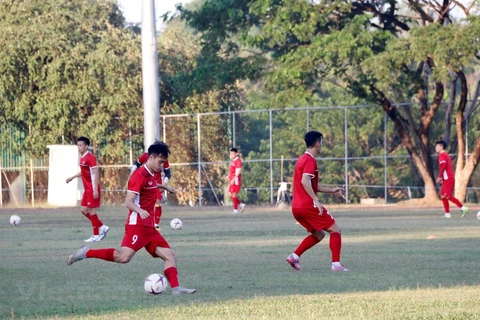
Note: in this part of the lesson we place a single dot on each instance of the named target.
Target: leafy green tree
(368, 48)
(68, 69)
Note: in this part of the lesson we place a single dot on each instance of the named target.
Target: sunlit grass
(237, 264)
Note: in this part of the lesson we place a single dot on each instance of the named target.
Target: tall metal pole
(151, 92)
(233, 129)
(271, 155)
(199, 162)
(385, 191)
(346, 155)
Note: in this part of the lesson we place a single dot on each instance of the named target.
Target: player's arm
(73, 177)
(443, 167)
(307, 185)
(135, 166)
(130, 204)
(168, 174)
(95, 179)
(166, 187)
(324, 189)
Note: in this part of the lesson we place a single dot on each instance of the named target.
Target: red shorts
(447, 187)
(139, 236)
(311, 220)
(235, 187)
(88, 200)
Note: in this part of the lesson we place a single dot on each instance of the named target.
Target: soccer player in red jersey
(166, 169)
(140, 231)
(235, 181)
(91, 184)
(446, 177)
(308, 210)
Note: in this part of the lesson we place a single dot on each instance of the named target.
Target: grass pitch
(237, 264)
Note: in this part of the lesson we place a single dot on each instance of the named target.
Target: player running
(91, 183)
(446, 177)
(235, 181)
(308, 210)
(139, 227)
(166, 169)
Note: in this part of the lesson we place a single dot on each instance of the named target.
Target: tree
(68, 69)
(368, 48)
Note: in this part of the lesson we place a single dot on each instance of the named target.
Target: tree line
(74, 68)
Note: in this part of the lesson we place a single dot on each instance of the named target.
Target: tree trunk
(420, 164)
(463, 177)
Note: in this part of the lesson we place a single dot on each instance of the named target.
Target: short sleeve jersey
(445, 161)
(87, 164)
(235, 164)
(306, 164)
(144, 158)
(144, 184)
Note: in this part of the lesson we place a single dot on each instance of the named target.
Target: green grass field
(237, 264)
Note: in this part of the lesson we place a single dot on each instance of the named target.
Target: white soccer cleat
(78, 255)
(234, 211)
(181, 290)
(94, 239)
(339, 267)
(103, 231)
(448, 215)
(241, 206)
(464, 211)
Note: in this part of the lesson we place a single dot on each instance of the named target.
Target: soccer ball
(478, 215)
(15, 220)
(176, 224)
(155, 284)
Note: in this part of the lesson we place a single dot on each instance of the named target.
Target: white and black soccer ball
(176, 224)
(15, 220)
(156, 284)
(478, 215)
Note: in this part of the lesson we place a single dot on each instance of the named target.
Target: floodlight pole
(151, 92)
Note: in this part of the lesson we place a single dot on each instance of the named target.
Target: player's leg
(157, 213)
(315, 236)
(241, 205)
(159, 248)
(123, 255)
(446, 206)
(336, 247)
(233, 195)
(445, 193)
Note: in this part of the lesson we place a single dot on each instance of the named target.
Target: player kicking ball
(307, 209)
(140, 231)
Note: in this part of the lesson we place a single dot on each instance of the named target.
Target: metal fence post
(271, 155)
(199, 162)
(346, 154)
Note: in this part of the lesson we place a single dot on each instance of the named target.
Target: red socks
(335, 246)
(104, 254)
(157, 214)
(236, 202)
(172, 276)
(96, 223)
(306, 244)
(455, 200)
(446, 206)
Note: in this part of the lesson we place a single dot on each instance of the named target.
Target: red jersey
(87, 163)
(235, 164)
(143, 182)
(306, 164)
(144, 158)
(446, 167)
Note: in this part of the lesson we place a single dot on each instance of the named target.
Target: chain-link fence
(361, 153)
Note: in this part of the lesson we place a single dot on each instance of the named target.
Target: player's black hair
(159, 148)
(443, 143)
(85, 140)
(312, 137)
(234, 150)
